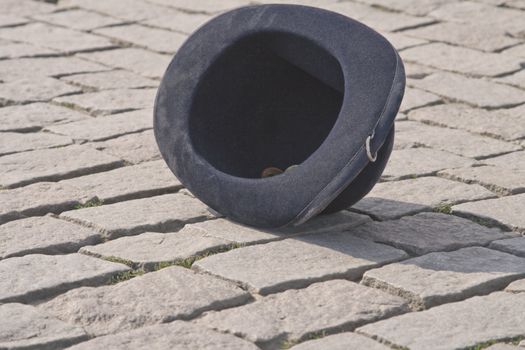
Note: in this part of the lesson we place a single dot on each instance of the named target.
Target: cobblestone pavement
(102, 247)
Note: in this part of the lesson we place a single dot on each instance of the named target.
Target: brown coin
(271, 171)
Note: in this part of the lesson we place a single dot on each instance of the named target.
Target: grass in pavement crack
(95, 202)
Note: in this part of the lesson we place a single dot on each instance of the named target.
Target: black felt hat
(304, 94)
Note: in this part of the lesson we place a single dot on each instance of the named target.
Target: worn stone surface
(516, 287)
(514, 246)
(38, 199)
(130, 10)
(455, 141)
(402, 42)
(177, 335)
(32, 117)
(514, 160)
(498, 179)
(294, 314)
(444, 277)
(146, 63)
(103, 128)
(294, 262)
(26, 327)
(158, 297)
(11, 70)
(159, 40)
(53, 164)
(11, 20)
(116, 79)
(341, 341)
(407, 163)
(30, 90)
(12, 142)
(208, 6)
(455, 325)
(429, 232)
(518, 50)
(164, 213)
(133, 148)
(476, 36)
(39, 276)
(111, 101)
(476, 120)
(387, 209)
(143, 180)
(62, 39)
(78, 19)
(19, 50)
(414, 7)
(43, 235)
(474, 91)
(415, 98)
(516, 79)
(505, 210)
(179, 21)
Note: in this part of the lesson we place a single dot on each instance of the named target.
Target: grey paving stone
(111, 101)
(143, 180)
(411, 162)
(146, 63)
(182, 22)
(9, 20)
(477, 92)
(40, 276)
(38, 199)
(294, 263)
(503, 346)
(26, 327)
(18, 50)
(159, 40)
(57, 38)
(455, 141)
(158, 297)
(505, 210)
(475, 36)
(133, 148)
(34, 90)
(24, 8)
(103, 128)
(514, 246)
(176, 335)
(43, 235)
(78, 19)
(518, 50)
(415, 98)
(444, 277)
(391, 200)
(208, 6)
(116, 79)
(462, 60)
(294, 314)
(53, 164)
(342, 341)
(516, 287)
(516, 79)
(12, 142)
(149, 249)
(164, 213)
(33, 116)
(500, 123)
(402, 41)
(25, 68)
(131, 10)
(514, 160)
(414, 7)
(429, 232)
(417, 71)
(497, 179)
(455, 325)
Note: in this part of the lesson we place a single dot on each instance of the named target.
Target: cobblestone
(78, 19)
(40, 276)
(415, 98)
(133, 148)
(517, 287)
(25, 327)
(117, 79)
(164, 213)
(28, 90)
(514, 160)
(179, 21)
(43, 235)
(514, 246)
(445, 277)
(294, 314)
(53, 164)
(12, 142)
(516, 79)
(341, 341)
(455, 325)
(182, 293)
(19, 50)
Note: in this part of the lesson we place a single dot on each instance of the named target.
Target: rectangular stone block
(341, 341)
(158, 297)
(295, 262)
(429, 232)
(26, 327)
(517, 79)
(444, 277)
(455, 325)
(295, 314)
(78, 19)
(30, 90)
(43, 235)
(416, 98)
(40, 276)
(115, 79)
(164, 213)
(53, 164)
(12, 142)
(21, 50)
(133, 148)
(514, 160)
(182, 22)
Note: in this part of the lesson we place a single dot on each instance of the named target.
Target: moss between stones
(95, 202)
(484, 345)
